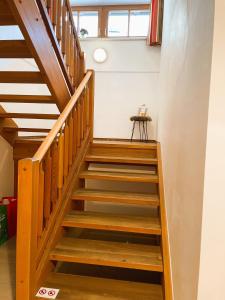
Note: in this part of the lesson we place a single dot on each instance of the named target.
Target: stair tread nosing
(116, 197)
(121, 159)
(105, 253)
(108, 221)
(120, 176)
(75, 287)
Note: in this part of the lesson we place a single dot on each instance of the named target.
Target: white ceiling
(107, 2)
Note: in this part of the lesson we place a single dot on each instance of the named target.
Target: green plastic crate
(3, 224)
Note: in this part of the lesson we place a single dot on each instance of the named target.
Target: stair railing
(58, 18)
(44, 182)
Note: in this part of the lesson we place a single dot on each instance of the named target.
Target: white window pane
(118, 23)
(88, 24)
(75, 18)
(139, 23)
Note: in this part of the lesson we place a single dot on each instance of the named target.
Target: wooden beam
(29, 116)
(26, 99)
(6, 17)
(7, 20)
(25, 129)
(20, 77)
(8, 136)
(37, 38)
(14, 49)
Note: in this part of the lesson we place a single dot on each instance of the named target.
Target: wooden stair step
(121, 159)
(123, 144)
(29, 116)
(26, 99)
(25, 129)
(74, 287)
(14, 49)
(6, 17)
(116, 197)
(119, 176)
(20, 77)
(114, 254)
(107, 221)
(29, 139)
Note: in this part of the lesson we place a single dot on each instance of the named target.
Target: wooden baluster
(78, 125)
(61, 162)
(67, 42)
(59, 21)
(41, 202)
(47, 187)
(88, 105)
(85, 110)
(54, 181)
(50, 8)
(66, 150)
(82, 116)
(71, 141)
(54, 13)
(75, 64)
(78, 68)
(91, 108)
(72, 56)
(74, 132)
(64, 25)
(82, 66)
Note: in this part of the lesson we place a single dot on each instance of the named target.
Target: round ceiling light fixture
(100, 55)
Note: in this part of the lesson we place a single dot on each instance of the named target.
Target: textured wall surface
(184, 100)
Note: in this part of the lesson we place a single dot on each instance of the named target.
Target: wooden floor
(7, 270)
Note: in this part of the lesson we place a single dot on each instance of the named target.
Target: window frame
(103, 16)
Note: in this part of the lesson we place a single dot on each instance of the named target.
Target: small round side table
(143, 127)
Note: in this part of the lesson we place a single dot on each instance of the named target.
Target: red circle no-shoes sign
(43, 292)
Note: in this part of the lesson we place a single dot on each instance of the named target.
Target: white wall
(126, 80)
(212, 263)
(184, 99)
(6, 169)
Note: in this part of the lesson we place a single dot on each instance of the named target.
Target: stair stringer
(167, 276)
(36, 36)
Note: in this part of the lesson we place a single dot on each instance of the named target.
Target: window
(118, 23)
(112, 21)
(86, 23)
(139, 23)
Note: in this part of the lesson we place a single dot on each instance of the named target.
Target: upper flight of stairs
(22, 49)
(111, 244)
(48, 36)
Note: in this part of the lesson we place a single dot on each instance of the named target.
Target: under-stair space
(110, 246)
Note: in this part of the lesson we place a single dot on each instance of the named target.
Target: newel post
(28, 174)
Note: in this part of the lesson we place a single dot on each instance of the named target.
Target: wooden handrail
(61, 120)
(46, 184)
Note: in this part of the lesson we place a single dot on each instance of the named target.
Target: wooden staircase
(91, 214)
(98, 238)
